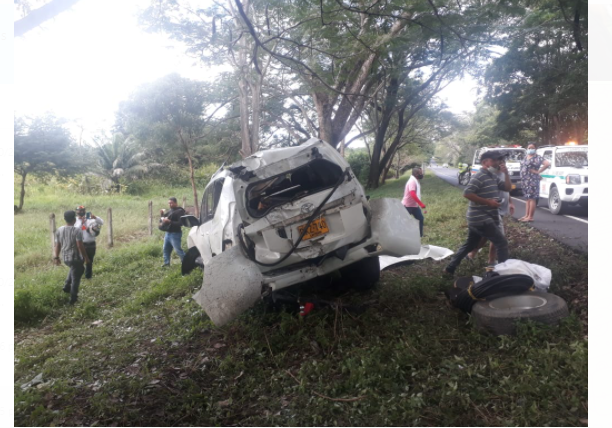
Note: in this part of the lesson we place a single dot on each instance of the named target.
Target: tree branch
(40, 15)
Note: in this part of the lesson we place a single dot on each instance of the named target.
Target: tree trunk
(324, 112)
(40, 15)
(193, 186)
(22, 193)
(399, 163)
(255, 114)
(244, 119)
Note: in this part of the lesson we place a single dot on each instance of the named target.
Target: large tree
(540, 82)
(173, 115)
(323, 61)
(43, 146)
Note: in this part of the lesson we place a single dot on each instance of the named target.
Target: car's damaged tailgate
(233, 283)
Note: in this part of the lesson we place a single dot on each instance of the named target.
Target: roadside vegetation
(137, 350)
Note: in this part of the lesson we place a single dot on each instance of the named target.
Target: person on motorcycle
(465, 173)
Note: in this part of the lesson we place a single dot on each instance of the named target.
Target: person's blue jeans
(172, 240)
(418, 214)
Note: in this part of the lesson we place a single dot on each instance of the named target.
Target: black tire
(189, 261)
(499, 316)
(363, 274)
(555, 204)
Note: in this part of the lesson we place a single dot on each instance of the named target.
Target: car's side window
(548, 155)
(210, 200)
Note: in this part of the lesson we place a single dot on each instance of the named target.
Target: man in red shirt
(412, 197)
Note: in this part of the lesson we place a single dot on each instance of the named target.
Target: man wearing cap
(69, 240)
(483, 192)
(90, 226)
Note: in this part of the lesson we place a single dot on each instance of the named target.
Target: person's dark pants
(73, 280)
(418, 214)
(90, 249)
(489, 230)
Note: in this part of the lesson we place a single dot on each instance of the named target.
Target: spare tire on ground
(499, 316)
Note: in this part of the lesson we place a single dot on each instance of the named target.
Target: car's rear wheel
(363, 274)
(555, 204)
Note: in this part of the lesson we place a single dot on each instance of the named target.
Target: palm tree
(122, 157)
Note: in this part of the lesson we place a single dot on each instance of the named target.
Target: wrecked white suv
(284, 216)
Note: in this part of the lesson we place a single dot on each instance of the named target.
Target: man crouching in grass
(483, 211)
(69, 240)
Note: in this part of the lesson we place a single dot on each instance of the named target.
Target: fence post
(110, 227)
(52, 228)
(184, 202)
(150, 217)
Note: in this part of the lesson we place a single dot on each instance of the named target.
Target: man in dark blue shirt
(483, 210)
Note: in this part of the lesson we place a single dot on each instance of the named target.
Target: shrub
(360, 164)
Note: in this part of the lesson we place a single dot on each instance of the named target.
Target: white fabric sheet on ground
(427, 251)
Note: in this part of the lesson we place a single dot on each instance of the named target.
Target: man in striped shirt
(69, 240)
(483, 209)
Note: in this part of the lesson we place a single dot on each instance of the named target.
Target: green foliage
(360, 164)
(122, 160)
(43, 147)
(540, 83)
(478, 129)
(174, 116)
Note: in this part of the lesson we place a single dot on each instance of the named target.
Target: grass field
(136, 350)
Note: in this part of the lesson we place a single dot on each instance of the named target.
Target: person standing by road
(412, 197)
(90, 226)
(69, 240)
(531, 168)
(506, 207)
(483, 209)
(171, 224)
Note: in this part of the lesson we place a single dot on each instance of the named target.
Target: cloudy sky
(81, 64)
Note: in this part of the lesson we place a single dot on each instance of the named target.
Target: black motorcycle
(464, 175)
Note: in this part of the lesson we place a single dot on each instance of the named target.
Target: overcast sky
(81, 64)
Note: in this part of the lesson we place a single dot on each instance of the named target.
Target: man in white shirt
(90, 225)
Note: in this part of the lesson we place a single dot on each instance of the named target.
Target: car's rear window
(311, 178)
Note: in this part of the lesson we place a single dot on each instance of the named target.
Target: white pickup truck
(567, 180)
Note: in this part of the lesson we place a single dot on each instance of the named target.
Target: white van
(513, 163)
(567, 180)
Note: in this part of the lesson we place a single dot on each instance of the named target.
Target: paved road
(572, 228)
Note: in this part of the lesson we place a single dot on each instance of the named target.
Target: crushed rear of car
(284, 216)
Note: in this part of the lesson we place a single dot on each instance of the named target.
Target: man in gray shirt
(69, 240)
(483, 209)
